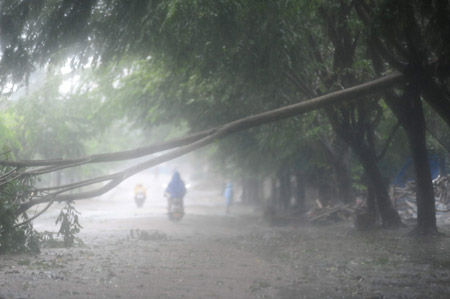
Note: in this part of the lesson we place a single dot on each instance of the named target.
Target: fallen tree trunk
(188, 143)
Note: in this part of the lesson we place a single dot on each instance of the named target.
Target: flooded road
(139, 253)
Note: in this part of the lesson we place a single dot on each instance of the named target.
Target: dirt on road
(210, 254)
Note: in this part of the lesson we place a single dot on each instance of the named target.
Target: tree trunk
(372, 203)
(325, 190)
(415, 127)
(367, 156)
(368, 218)
(250, 193)
(337, 155)
(300, 194)
(275, 194)
(426, 212)
(409, 111)
(270, 208)
(389, 216)
(344, 179)
(285, 188)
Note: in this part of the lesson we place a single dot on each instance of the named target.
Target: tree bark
(300, 192)
(409, 111)
(284, 177)
(389, 216)
(368, 218)
(344, 178)
(337, 155)
(426, 211)
(270, 208)
(359, 137)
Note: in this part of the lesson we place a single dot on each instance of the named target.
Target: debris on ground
(341, 212)
(144, 235)
(405, 198)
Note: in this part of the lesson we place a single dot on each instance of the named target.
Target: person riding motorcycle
(175, 192)
(139, 195)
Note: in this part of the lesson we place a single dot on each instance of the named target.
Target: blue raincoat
(228, 193)
(176, 187)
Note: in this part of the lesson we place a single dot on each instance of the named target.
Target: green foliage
(51, 121)
(9, 142)
(222, 72)
(212, 64)
(204, 63)
(11, 239)
(70, 226)
(62, 120)
(15, 239)
(32, 31)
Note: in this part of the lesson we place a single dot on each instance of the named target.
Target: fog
(224, 149)
(119, 202)
(252, 249)
(266, 242)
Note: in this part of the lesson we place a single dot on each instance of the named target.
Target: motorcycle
(139, 199)
(175, 209)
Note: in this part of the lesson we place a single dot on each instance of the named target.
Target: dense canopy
(202, 64)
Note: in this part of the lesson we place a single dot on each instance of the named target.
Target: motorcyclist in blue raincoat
(176, 188)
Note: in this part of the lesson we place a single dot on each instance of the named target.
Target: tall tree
(227, 40)
(356, 123)
(412, 37)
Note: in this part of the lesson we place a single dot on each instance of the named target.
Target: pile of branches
(405, 198)
(442, 189)
(335, 213)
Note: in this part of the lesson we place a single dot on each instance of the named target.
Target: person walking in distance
(228, 196)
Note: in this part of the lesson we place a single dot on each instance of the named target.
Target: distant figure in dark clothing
(176, 188)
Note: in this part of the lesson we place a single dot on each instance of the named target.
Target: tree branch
(214, 134)
(35, 216)
(301, 86)
(361, 9)
(6, 176)
(112, 157)
(80, 184)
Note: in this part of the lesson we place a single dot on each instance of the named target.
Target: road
(139, 253)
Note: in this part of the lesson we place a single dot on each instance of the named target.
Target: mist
(224, 149)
